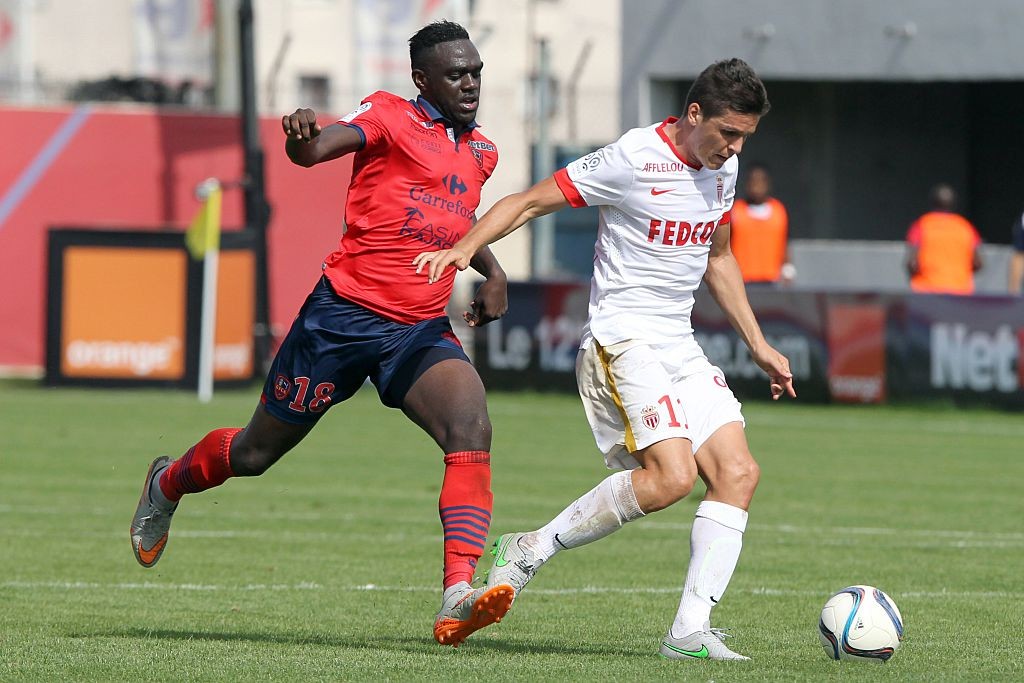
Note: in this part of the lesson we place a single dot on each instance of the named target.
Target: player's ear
(693, 113)
(419, 79)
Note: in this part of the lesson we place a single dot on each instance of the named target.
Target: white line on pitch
(583, 590)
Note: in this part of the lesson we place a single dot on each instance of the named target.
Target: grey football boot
(464, 611)
(150, 524)
(706, 644)
(515, 562)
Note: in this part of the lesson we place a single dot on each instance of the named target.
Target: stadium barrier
(842, 347)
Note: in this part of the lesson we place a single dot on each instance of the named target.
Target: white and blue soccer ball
(860, 623)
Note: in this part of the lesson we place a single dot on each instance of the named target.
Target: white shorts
(637, 394)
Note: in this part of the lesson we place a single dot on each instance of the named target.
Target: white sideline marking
(147, 585)
(583, 590)
(946, 536)
(649, 524)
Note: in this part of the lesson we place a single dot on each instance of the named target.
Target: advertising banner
(856, 351)
(123, 309)
(968, 348)
(792, 322)
(842, 347)
(108, 325)
(534, 345)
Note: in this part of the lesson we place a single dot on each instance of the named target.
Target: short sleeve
(372, 119)
(975, 236)
(729, 195)
(914, 234)
(603, 177)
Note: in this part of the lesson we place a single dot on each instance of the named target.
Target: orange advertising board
(236, 296)
(123, 313)
(124, 309)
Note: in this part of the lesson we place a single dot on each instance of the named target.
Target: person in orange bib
(760, 231)
(942, 248)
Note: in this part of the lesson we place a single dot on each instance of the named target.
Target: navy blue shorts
(334, 345)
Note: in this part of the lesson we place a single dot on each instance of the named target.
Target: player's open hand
(436, 261)
(300, 125)
(777, 366)
(490, 302)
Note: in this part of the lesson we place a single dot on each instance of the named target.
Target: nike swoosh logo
(499, 554)
(655, 191)
(702, 653)
(148, 557)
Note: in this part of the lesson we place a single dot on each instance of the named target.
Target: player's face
(451, 80)
(717, 138)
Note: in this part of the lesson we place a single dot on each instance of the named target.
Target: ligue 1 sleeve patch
(361, 109)
(585, 165)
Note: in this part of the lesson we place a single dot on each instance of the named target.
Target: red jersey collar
(672, 146)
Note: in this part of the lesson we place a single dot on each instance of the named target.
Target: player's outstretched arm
(306, 144)
(504, 217)
(726, 285)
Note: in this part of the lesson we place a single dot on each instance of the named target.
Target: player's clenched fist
(301, 125)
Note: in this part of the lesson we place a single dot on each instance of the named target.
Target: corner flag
(203, 242)
(203, 234)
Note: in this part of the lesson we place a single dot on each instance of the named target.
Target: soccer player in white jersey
(659, 410)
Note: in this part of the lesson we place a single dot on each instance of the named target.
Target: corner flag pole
(203, 241)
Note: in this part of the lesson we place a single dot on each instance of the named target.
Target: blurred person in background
(417, 174)
(1016, 274)
(942, 247)
(760, 231)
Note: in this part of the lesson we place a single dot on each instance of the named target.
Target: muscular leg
(666, 475)
(225, 453)
(716, 539)
(727, 467)
(262, 443)
(449, 403)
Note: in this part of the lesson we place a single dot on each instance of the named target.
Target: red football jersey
(414, 188)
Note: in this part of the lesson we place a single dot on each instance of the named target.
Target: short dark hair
(943, 197)
(729, 84)
(443, 31)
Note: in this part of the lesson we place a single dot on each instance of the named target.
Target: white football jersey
(657, 217)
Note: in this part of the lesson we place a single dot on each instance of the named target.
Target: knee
(252, 461)
(743, 475)
(669, 489)
(468, 433)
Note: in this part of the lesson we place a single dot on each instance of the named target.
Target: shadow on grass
(418, 645)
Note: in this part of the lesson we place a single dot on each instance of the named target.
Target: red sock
(204, 466)
(465, 508)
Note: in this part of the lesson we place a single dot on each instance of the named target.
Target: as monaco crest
(281, 387)
(719, 186)
(650, 417)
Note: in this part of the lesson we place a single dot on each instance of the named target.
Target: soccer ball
(860, 623)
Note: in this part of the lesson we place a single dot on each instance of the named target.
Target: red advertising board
(856, 352)
(137, 168)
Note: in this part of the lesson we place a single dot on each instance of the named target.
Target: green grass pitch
(328, 567)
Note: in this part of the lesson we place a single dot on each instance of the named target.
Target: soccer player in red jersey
(418, 169)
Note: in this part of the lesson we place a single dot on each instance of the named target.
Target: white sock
(594, 515)
(715, 543)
